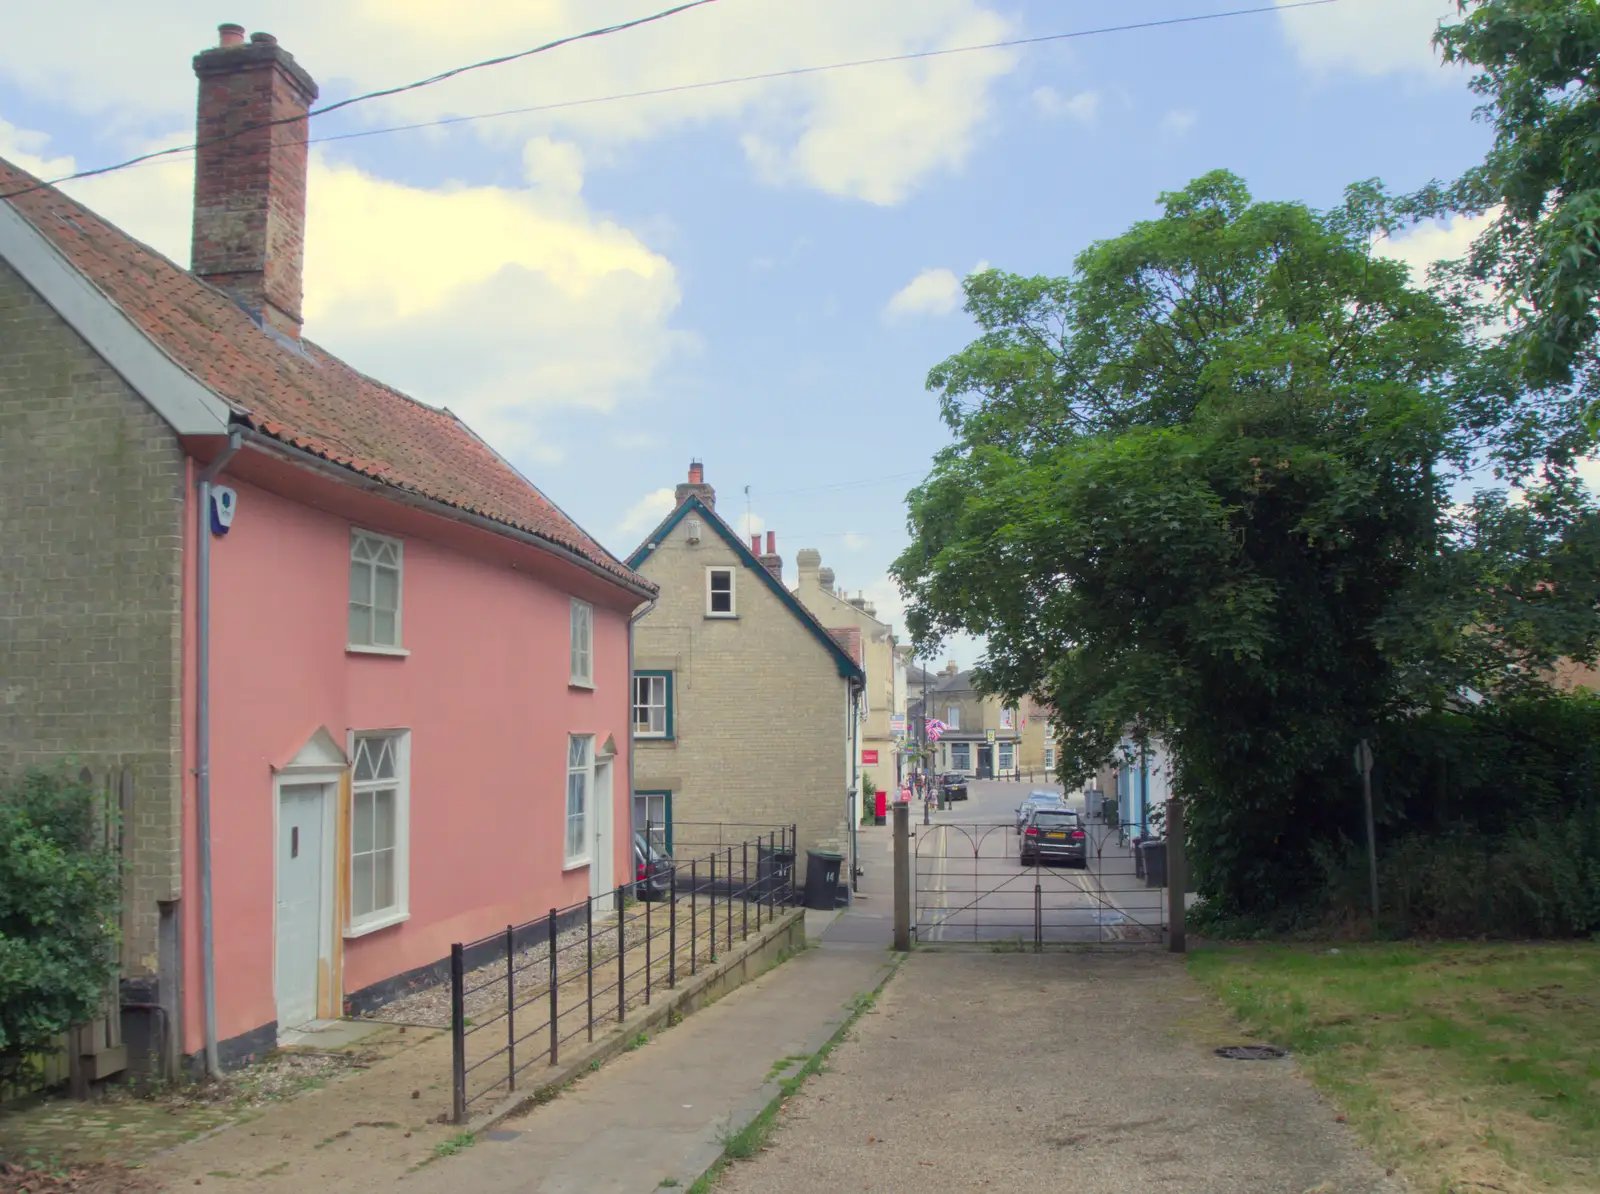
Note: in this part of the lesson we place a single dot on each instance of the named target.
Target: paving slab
(661, 1112)
(1089, 1071)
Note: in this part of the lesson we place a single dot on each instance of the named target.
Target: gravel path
(1090, 1072)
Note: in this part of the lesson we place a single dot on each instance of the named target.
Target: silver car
(1038, 798)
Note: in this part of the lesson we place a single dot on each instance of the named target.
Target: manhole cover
(1250, 1052)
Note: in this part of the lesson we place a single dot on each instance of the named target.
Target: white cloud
(1434, 240)
(885, 597)
(1178, 120)
(855, 542)
(506, 303)
(646, 512)
(634, 441)
(1082, 107)
(1371, 37)
(872, 133)
(28, 149)
(932, 292)
(1589, 470)
(749, 524)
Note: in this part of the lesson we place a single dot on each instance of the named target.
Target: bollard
(902, 877)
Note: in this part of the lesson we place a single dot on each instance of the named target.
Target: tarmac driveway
(1087, 1071)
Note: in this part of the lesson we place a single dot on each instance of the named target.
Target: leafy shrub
(1488, 823)
(1539, 880)
(59, 896)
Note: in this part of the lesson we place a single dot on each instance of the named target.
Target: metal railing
(974, 883)
(520, 996)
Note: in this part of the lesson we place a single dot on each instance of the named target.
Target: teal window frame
(666, 795)
(671, 730)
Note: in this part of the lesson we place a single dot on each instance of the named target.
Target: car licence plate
(1055, 837)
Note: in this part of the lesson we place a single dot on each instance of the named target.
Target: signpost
(988, 735)
(1364, 766)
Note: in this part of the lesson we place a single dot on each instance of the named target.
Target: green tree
(58, 912)
(1200, 487)
(1538, 64)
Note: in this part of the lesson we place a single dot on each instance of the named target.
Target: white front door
(602, 816)
(300, 911)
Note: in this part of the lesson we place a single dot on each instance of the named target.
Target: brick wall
(91, 508)
(250, 175)
(878, 650)
(760, 708)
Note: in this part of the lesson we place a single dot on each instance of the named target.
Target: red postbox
(881, 812)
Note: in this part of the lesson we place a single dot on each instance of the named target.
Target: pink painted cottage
(371, 684)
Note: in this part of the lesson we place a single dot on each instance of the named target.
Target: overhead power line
(861, 482)
(674, 89)
(793, 72)
(602, 31)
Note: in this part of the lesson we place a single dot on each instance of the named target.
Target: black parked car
(652, 871)
(953, 787)
(1054, 835)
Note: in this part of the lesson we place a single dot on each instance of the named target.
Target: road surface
(971, 886)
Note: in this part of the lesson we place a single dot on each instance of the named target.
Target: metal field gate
(970, 885)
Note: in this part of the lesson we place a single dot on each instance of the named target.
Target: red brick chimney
(772, 561)
(250, 173)
(696, 486)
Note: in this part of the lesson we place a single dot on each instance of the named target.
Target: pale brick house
(983, 736)
(834, 608)
(745, 705)
(319, 622)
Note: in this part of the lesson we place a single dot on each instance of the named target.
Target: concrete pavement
(1088, 1071)
(661, 1112)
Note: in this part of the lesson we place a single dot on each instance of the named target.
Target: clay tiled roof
(300, 395)
(850, 639)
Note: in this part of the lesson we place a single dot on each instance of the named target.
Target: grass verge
(746, 1142)
(1470, 1067)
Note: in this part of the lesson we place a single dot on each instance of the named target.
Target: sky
(758, 275)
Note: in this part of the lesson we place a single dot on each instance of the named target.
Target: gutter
(319, 464)
(202, 750)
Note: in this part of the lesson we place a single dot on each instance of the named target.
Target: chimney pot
(250, 174)
(755, 544)
(695, 486)
(772, 543)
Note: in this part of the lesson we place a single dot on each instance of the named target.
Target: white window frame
(952, 719)
(733, 601)
(665, 705)
(659, 830)
(586, 770)
(400, 910)
(1049, 758)
(581, 653)
(1005, 756)
(955, 749)
(1008, 719)
(357, 535)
